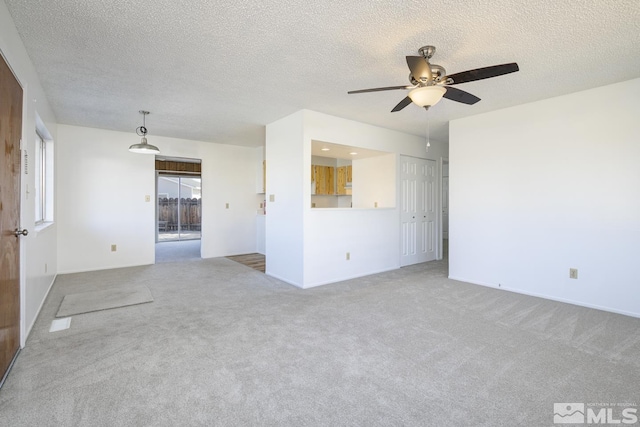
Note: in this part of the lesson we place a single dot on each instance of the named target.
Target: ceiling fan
(430, 82)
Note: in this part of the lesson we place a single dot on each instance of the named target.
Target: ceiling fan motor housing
(427, 52)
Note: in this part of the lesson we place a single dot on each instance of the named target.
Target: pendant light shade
(427, 96)
(144, 147)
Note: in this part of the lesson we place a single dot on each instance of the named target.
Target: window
(41, 184)
(43, 171)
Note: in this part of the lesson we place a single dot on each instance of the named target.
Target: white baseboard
(35, 318)
(549, 297)
(275, 276)
(104, 268)
(342, 279)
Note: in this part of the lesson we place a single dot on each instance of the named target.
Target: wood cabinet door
(341, 180)
(330, 181)
(324, 179)
(319, 178)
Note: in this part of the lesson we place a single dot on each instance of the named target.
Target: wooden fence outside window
(190, 217)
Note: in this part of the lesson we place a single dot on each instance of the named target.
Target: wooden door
(10, 131)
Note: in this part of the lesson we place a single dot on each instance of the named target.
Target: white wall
(374, 182)
(285, 180)
(259, 158)
(371, 236)
(101, 198)
(543, 187)
(38, 249)
(318, 239)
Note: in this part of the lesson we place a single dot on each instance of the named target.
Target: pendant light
(143, 147)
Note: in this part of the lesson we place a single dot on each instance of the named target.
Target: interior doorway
(444, 203)
(178, 209)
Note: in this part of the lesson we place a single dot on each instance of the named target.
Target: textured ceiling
(220, 70)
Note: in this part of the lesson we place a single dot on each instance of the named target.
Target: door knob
(22, 232)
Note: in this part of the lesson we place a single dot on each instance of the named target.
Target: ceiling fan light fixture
(427, 96)
(143, 147)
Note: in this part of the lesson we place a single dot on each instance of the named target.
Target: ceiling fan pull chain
(428, 143)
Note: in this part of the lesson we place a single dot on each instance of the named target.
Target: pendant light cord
(142, 130)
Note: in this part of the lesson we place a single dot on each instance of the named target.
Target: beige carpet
(226, 345)
(86, 302)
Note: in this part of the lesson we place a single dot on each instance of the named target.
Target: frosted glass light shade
(427, 95)
(144, 147)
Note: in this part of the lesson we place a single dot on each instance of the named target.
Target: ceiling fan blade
(458, 95)
(406, 101)
(377, 89)
(482, 73)
(419, 68)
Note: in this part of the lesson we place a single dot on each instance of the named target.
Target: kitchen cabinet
(343, 180)
(323, 178)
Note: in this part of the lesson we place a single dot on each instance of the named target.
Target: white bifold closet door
(418, 215)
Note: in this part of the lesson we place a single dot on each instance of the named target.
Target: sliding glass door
(179, 207)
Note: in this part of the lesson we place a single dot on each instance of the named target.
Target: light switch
(272, 197)
(147, 198)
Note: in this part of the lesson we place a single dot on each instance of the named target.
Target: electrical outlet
(147, 198)
(313, 205)
(375, 204)
(272, 197)
(113, 248)
(348, 256)
(573, 273)
(226, 205)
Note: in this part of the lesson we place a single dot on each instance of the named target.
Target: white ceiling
(220, 70)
